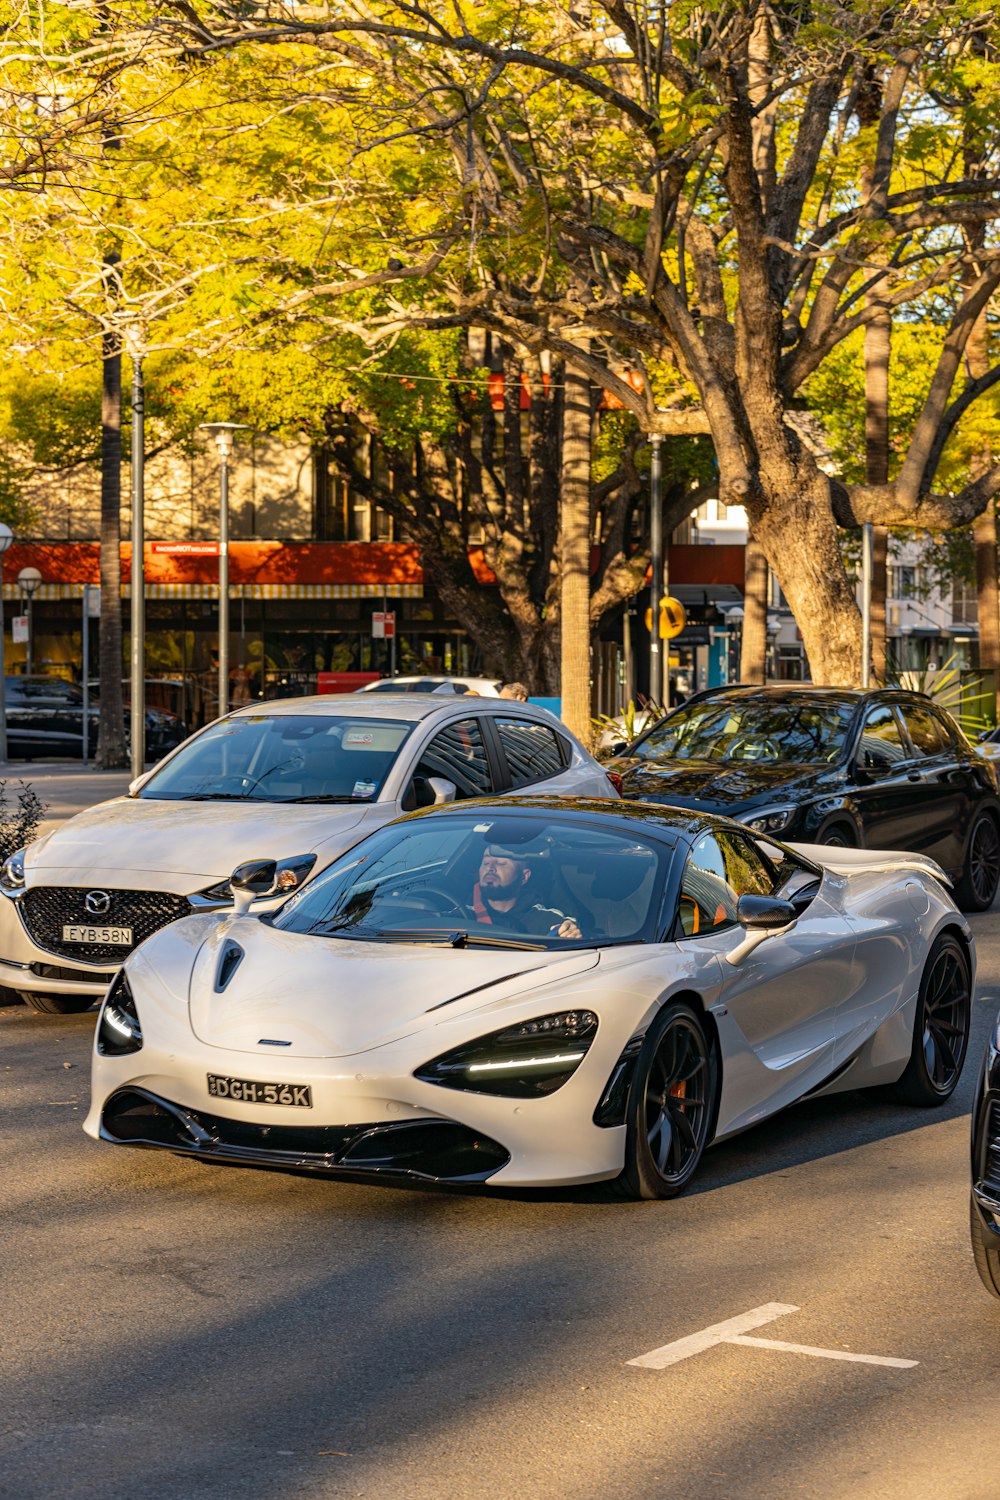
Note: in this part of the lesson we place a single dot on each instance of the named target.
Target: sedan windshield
(284, 758)
(754, 729)
(494, 881)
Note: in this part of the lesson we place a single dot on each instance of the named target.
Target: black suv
(888, 769)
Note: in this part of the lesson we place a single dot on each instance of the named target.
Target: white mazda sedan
(302, 779)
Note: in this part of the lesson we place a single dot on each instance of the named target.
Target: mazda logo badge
(97, 903)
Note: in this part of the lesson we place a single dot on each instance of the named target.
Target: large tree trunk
(984, 533)
(111, 749)
(574, 557)
(753, 650)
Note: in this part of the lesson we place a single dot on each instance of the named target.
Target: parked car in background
(300, 779)
(485, 687)
(672, 980)
(45, 717)
(885, 769)
(988, 743)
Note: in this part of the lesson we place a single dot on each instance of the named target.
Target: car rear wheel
(57, 1005)
(671, 1105)
(978, 884)
(940, 1027)
(986, 1256)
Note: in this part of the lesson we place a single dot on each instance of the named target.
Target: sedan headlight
(770, 819)
(118, 1028)
(12, 873)
(520, 1062)
(290, 875)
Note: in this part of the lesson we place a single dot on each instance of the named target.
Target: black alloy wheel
(978, 885)
(57, 1005)
(839, 837)
(940, 1027)
(984, 1252)
(671, 1105)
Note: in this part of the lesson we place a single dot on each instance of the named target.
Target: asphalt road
(184, 1332)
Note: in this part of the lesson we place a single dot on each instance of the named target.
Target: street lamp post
(6, 537)
(138, 651)
(30, 581)
(656, 587)
(222, 432)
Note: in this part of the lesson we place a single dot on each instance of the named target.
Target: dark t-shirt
(526, 916)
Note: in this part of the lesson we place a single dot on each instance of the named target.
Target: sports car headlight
(118, 1028)
(12, 873)
(291, 874)
(770, 819)
(520, 1062)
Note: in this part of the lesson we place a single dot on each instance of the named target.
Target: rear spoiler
(870, 861)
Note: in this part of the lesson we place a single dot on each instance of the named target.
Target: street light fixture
(6, 537)
(29, 581)
(222, 432)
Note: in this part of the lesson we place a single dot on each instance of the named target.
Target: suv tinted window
(881, 742)
(458, 753)
(532, 750)
(923, 730)
(946, 729)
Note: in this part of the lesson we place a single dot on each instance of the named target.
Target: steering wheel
(760, 749)
(423, 900)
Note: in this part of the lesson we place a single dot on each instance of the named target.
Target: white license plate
(247, 1091)
(120, 937)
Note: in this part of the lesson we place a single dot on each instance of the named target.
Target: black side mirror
(618, 748)
(256, 877)
(762, 913)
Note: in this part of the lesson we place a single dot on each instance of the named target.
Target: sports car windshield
(284, 758)
(790, 731)
(496, 881)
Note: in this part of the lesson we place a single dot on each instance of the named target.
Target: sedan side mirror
(762, 917)
(618, 748)
(249, 881)
(444, 791)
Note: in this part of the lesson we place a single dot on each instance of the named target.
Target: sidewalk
(65, 787)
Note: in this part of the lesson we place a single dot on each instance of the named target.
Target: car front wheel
(57, 1005)
(978, 884)
(984, 1252)
(671, 1105)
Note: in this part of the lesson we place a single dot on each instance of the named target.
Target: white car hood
(328, 997)
(177, 845)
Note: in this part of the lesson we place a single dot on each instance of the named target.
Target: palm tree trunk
(574, 556)
(753, 647)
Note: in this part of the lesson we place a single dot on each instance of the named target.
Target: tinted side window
(881, 742)
(459, 754)
(746, 872)
(707, 900)
(532, 750)
(950, 734)
(923, 730)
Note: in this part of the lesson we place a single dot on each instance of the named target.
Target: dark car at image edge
(879, 769)
(45, 718)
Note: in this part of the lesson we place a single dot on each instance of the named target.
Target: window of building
(963, 603)
(902, 581)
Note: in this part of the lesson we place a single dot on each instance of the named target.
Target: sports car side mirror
(762, 917)
(255, 878)
(764, 913)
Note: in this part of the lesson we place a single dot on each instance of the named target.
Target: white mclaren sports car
(534, 992)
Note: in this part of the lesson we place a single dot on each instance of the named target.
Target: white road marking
(735, 1331)
(860, 1359)
(719, 1333)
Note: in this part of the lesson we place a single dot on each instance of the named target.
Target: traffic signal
(672, 618)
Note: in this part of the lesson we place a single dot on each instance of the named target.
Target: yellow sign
(672, 618)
